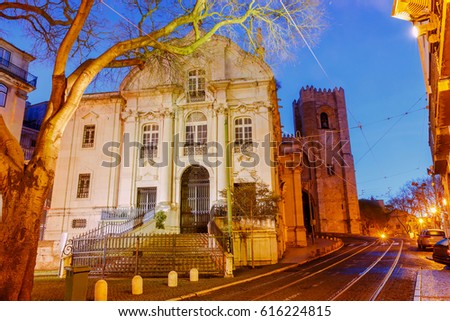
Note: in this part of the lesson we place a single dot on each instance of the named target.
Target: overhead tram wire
(389, 129)
(325, 73)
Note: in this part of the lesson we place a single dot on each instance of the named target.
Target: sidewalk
(432, 285)
(49, 287)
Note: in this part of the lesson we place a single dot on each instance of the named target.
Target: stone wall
(48, 256)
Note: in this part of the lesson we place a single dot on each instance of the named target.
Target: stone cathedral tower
(329, 194)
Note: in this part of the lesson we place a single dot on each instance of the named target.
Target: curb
(199, 293)
(417, 291)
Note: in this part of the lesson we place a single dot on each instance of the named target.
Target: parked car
(441, 252)
(429, 237)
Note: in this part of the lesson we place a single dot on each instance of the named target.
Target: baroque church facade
(163, 141)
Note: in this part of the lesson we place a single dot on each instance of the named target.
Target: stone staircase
(122, 249)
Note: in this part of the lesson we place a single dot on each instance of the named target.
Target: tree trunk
(23, 205)
(24, 190)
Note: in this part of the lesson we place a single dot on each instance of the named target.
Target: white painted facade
(15, 84)
(218, 89)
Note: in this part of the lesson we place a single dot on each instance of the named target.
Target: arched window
(150, 139)
(196, 85)
(243, 130)
(324, 122)
(196, 133)
(3, 94)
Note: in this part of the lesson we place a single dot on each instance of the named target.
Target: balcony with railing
(15, 71)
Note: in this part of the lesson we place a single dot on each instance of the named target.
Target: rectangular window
(3, 95)
(150, 139)
(146, 198)
(5, 56)
(196, 85)
(243, 130)
(84, 181)
(79, 223)
(88, 136)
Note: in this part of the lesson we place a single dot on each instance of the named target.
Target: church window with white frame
(196, 134)
(196, 85)
(243, 133)
(150, 140)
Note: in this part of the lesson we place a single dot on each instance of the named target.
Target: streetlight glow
(415, 31)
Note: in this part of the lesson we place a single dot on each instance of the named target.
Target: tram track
(379, 287)
(357, 272)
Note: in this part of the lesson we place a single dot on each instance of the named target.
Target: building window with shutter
(84, 182)
(196, 85)
(88, 136)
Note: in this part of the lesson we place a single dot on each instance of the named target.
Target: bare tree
(83, 38)
(421, 198)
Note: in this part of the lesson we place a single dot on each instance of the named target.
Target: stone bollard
(173, 279)
(228, 265)
(137, 287)
(101, 291)
(193, 275)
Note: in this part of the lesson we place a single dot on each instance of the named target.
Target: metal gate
(194, 200)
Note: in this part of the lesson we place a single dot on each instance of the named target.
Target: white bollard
(173, 279)
(137, 287)
(193, 275)
(101, 291)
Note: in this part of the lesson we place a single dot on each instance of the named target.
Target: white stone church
(160, 142)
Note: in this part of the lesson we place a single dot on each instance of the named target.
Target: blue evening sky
(375, 58)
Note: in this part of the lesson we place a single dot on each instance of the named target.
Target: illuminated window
(88, 136)
(3, 94)
(84, 182)
(196, 85)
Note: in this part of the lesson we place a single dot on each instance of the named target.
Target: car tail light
(448, 252)
(426, 236)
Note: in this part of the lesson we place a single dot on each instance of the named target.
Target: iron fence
(149, 255)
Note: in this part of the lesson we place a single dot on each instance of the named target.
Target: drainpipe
(228, 177)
